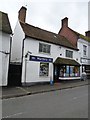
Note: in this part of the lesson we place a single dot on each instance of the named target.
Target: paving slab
(10, 92)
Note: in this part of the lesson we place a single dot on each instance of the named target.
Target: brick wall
(67, 32)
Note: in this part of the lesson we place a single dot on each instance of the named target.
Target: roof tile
(43, 35)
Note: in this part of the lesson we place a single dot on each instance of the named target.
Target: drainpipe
(25, 71)
(9, 56)
(22, 56)
(26, 56)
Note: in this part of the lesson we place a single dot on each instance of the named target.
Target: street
(66, 103)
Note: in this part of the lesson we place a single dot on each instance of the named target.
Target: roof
(4, 23)
(46, 36)
(80, 35)
(65, 61)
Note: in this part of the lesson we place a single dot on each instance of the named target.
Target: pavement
(10, 92)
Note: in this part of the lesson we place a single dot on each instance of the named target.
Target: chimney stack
(22, 14)
(65, 22)
(87, 33)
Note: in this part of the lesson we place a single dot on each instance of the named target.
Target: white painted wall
(16, 52)
(80, 44)
(32, 69)
(0, 58)
(4, 59)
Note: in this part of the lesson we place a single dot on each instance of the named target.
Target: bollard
(51, 82)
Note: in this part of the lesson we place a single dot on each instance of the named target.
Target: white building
(84, 51)
(5, 47)
(42, 55)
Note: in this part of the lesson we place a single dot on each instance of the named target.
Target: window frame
(41, 72)
(69, 54)
(84, 50)
(72, 71)
(43, 47)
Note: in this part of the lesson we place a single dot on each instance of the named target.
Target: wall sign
(40, 59)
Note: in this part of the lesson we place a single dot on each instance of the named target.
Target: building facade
(5, 48)
(43, 55)
(80, 41)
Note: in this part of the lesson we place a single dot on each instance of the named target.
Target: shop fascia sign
(40, 59)
(84, 60)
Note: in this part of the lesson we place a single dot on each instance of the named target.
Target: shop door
(14, 75)
(56, 73)
(87, 69)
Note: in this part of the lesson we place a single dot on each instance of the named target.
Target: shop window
(72, 72)
(77, 71)
(69, 54)
(44, 48)
(62, 71)
(44, 69)
(69, 71)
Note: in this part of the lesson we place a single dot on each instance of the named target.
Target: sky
(47, 14)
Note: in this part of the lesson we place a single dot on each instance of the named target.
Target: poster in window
(67, 71)
(44, 69)
(72, 71)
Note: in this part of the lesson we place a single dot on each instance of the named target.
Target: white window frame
(45, 46)
(69, 55)
(84, 50)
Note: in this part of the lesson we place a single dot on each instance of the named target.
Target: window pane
(62, 71)
(77, 73)
(67, 71)
(40, 47)
(44, 69)
(48, 49)
(69, 53)
(44, 48)
(84, 49)
(72, 73)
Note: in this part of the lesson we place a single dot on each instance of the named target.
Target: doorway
(14, 75)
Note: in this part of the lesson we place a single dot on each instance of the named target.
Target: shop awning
(65, 61)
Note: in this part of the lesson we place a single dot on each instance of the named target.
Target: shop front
(86, 66)
(66, 69)
(37, 69)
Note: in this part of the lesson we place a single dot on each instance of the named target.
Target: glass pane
(62, 71)
(40, 47)
(67, 71)
(44, 48)
(44, 69)
(72, 74)
(69, 53)
(77, 73)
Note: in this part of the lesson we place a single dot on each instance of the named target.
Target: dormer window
(44, 48)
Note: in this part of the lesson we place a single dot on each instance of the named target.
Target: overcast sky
(47, 14)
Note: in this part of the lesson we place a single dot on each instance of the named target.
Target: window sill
(68, 78)
(45, 53)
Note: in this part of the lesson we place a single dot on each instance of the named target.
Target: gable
(69, 34)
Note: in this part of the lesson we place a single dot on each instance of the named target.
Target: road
(67, 103)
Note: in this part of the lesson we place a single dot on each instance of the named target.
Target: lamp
(28, 52)
(5, 52)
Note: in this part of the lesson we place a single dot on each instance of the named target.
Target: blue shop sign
(40, 59)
